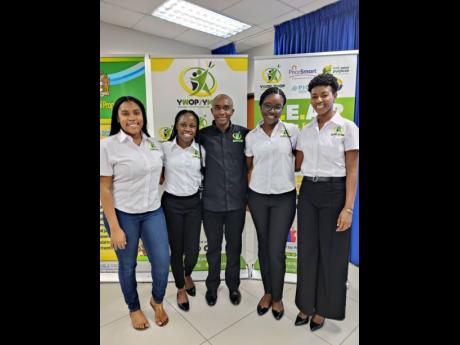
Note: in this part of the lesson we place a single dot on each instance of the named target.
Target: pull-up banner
(292, 73)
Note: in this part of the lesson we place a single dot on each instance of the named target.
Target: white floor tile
(255, 329)
(333, 331)
(212, 320)
(353, 339)
(112, 305)
(353, 279)
(177, 332)
(224, 323)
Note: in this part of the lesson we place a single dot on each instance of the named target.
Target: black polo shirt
(225, 183)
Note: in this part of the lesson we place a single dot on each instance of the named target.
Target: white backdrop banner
(292, 73)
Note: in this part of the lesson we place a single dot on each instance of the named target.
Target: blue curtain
(228, 49)
(331, 28)
(354, 249)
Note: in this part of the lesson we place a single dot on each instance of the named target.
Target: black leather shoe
(191, 291)
(315, 326)
(278, 314)
(211, 298)
(235, 297)
(261, 310)
(299, 321)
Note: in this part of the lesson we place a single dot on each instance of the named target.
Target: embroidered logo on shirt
(237, 137)
(284, 133)
(152, 147)
(338, 131)
(196, 153)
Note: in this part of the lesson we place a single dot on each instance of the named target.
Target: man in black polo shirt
(224, 196)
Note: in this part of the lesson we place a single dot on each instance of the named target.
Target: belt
(323, 179)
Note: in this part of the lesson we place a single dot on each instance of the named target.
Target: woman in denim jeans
(130, 169)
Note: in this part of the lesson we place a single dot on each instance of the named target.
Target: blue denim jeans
(151, 228)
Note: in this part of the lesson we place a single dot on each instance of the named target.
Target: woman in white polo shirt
(327, 156)
(183, 163)
(130, 169)
(272, 195)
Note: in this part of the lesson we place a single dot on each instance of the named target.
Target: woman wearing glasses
(272, 196)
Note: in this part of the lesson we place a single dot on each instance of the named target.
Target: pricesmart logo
(298, 72)
(198, 81)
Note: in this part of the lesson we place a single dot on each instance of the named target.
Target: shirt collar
(194, 145)
(230, 127)
(275, 129)
(336, 119)
(122, 136)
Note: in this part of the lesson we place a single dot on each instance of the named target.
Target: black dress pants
(273, 215)
(215, 225)
(322, 252)
(183, 220)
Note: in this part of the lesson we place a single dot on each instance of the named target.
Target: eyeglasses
(268, 107)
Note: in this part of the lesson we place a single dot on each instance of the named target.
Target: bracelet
(349, 210)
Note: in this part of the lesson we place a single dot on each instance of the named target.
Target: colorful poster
(192, 83)
(292, 73)
(119, 76)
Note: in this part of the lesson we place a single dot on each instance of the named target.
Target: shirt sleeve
(352, 137)
(248, 146)
(203, 153)
(161, 149)
(299, 141)
(106, 169)
(294, 133)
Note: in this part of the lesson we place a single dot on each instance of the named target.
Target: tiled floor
(224, 324)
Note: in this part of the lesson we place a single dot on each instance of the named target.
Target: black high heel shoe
(315, 326)
(184, 306)
(299, 321)
(191, 291)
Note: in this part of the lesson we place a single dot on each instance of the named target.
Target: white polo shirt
(273, 163)
(136, 171)
(182, 168)
(324, 150)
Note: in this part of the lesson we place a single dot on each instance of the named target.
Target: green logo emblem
(271, 75)
(152, 147)
(237, 137)
(198, 81)
(196, 153)
(203, 122)
(328, 69)
(283, 133)
(338, 131)
(165, 133)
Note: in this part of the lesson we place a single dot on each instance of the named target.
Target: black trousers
(183, 220)
(322, 252)
(215, 224)
(273, 215)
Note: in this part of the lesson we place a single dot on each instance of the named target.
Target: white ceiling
(262, 15)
